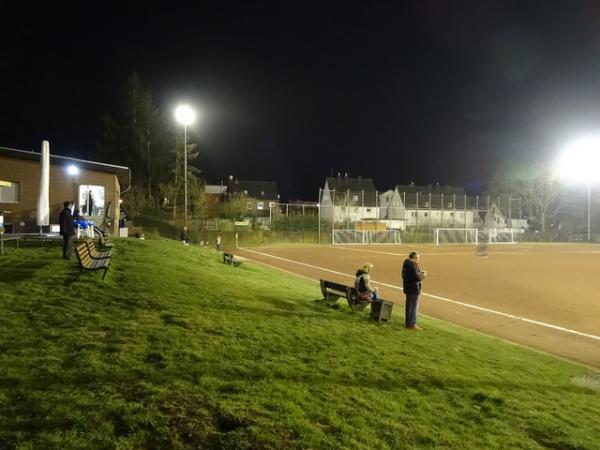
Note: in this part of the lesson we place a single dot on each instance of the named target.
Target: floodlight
(581, 160)
(73, 170)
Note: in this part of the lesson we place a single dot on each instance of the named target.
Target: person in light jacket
(362, 283)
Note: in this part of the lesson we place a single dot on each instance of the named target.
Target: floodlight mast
(581, 159)
(185, 115)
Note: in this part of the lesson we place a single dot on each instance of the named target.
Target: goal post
(444, 236)
(365, 237)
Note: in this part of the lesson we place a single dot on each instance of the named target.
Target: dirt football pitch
(546, 296)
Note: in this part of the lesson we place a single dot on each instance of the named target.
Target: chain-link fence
(390, 217)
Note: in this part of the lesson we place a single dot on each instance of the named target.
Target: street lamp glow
(72, 170)
(185, 115)
(581, 160)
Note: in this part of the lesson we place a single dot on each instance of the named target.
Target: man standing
(411, 279)
(67, 229)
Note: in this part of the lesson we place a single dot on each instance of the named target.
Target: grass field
(177, 350)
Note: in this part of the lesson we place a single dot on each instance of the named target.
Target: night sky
(423, 91)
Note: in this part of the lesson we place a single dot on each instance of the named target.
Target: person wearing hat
(362, 283)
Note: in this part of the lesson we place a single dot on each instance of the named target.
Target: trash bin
(382, 311)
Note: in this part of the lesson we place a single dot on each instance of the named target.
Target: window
(426, 214)
(248, 205)
(368, 210)
(10, 191)
(91, 200)
(451, 214)
(355, 198)
(426, 204)
(450, 205)
(260, 205)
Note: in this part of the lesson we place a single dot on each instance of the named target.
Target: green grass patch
(176, 350)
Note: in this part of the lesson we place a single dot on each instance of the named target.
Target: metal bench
(86, 262)
(4, 238)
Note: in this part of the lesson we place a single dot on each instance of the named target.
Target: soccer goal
(497, 236)
(443, 236)
(365, 237)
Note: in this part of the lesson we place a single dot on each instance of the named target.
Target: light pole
(185, 115)
(581, 161)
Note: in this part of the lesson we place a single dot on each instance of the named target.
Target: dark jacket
(65, 220)
(411, 277)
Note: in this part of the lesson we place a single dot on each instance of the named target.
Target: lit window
(10, 191)
(260, 205)
(91, 200)
(355, 198)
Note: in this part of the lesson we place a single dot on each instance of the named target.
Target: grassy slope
(177, 350)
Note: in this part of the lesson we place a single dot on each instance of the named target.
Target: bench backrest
(330, 287)
(83, 255)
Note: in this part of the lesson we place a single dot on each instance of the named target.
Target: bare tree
(539, 188)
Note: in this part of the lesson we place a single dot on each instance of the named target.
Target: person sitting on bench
(362, 283)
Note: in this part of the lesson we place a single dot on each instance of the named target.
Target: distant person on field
(218, 242)
(184, 236)
(412, 275)
(362, 283)
(67, 229)
(482, 250)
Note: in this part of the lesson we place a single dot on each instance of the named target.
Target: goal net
(365, 237)
(443, 236)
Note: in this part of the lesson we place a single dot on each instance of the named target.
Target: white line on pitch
(437, 297)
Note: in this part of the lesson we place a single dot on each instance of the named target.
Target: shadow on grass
(22, 270)
(270, 312)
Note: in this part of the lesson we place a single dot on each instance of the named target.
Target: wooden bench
(381, 310)
(229, 258)
(86, 262)
(103, 243)
(333, 291)
(94, 253)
